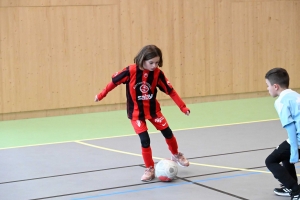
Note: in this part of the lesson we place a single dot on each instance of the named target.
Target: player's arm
(117, 78)
(165, 86)
(104, 92)
(292, 135)
(176, 98)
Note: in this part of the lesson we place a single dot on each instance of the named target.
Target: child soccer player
(287, 106)
(142, 80)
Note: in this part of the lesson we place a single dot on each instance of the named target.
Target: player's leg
(173, 147)
(140, 128)
(282, 154)
(290, 168)
(146, 149)
(170, 140)
(283, 191)
(161, 124)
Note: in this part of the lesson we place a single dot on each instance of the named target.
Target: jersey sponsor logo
(145, 97)
(144, 88)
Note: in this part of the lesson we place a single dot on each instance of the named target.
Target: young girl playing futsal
(288, 108)
(142, 80)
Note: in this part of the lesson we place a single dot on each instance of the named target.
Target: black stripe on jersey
(130, 103)
(139, 79)
(163, 79)
(118, 79)
(152, 107)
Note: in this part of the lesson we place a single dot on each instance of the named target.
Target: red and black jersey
(141, 90)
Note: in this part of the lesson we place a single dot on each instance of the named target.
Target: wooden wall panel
(148, 22)
(196, 48)
(55, 57)
(221, 49)
(43, 3)
(2, 39)
(57, 54)
(265, 35)
(1, 81)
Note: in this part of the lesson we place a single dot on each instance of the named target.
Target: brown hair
(146, 53)
(278, 76)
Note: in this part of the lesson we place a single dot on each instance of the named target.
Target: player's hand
(186, 111)
(96, 98)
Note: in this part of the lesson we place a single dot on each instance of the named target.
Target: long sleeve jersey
(288, 108)
(141, 91)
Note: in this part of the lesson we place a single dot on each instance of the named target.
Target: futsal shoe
(283, 191)
(295, 195)
(149, 174)
(180, 159)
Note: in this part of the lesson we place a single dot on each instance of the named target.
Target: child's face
(151, 64)
(272, 88)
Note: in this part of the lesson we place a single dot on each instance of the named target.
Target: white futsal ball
(166, 170)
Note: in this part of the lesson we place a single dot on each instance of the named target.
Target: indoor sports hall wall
(55, 55)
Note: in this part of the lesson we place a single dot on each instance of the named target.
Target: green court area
(37, 131)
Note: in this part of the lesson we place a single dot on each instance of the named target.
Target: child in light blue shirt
(287, 106)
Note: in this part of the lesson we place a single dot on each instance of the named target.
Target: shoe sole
(147, 180)
(180, 164)
(282, 195)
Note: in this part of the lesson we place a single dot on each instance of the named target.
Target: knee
(269, 160)
(145, 139)
(167, 133)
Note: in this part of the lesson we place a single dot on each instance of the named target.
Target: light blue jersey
(288, 108)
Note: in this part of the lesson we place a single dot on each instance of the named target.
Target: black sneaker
(283, 191)
(295, 197)
(295, 194)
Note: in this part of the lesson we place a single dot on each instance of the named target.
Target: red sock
(147, 156)
(172, 143)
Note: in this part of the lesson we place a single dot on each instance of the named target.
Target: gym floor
(97, 155)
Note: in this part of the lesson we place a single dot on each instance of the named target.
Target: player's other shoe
(180, 159)
(295, 195)
(283, 191)
(149, 174)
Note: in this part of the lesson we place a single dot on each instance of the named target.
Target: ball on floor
(166, 170)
